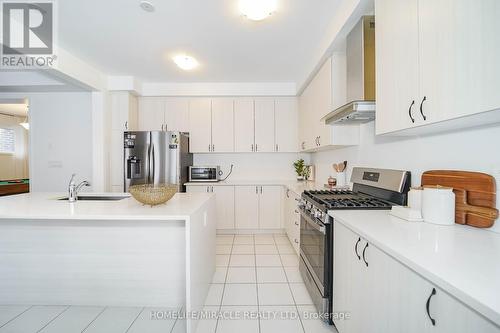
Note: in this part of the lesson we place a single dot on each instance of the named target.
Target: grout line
(256, 283)
(293, 297)
(57, 316)
(17, 316)
(224, 285)
(98, 315)
(176, 320)
(133, 321)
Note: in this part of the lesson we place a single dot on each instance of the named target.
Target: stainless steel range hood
(360, 54)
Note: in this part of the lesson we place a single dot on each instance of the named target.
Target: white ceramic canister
(438, 205)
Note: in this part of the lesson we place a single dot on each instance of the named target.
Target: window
(7, 141)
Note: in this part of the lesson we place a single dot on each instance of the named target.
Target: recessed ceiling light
(185, 62)
(147, 6)
(258, 9)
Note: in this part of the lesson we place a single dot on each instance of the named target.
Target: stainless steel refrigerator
(156, 157)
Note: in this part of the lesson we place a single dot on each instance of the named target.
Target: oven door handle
(313, 224)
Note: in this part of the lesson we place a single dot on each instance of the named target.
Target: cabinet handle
(256, 190)
(364, 250)
(126, 125)
(319, 140)
(303, 145)
(356, 248)
(209, 148)
(421, 108)
(162, 127)
(212, 189)
(207, 189)
(296, 212)
(213, 147)
(252, 147)
(296, 241)
(287, 193)
(427, 305)
(296, 223)
(409, 112)
(256, 147)
(277, 148)
(261, 190)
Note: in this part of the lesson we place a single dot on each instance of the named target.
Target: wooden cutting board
(475, 195)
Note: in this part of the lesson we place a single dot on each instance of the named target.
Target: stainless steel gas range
(372, 189)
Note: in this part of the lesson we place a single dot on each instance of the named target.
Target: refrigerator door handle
(148, 163)
(153, 160)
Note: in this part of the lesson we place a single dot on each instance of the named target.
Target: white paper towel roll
(438, 205)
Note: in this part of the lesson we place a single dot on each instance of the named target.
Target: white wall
(254, 166)
(471, 150)
(15, 166)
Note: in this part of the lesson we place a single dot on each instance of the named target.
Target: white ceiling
(119, 38)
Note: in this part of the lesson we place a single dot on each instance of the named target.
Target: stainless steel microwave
(204, 173)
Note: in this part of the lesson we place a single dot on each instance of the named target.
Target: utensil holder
(341, 179)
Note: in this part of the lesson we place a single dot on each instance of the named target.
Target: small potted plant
(300, 169)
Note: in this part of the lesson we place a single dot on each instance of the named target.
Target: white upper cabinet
(200, 125)
(163, 114)
(396, 36)
(123, 111)
(222, 125)
(286, 125)
(435, 63)
(176, 114)
(264, 125)
(316, 102)
(244, 125)
(151, 113)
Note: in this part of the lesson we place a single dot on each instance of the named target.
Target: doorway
(14, 146)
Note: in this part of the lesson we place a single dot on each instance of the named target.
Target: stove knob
(318, 214)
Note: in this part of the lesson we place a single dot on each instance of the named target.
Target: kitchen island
(107, 253)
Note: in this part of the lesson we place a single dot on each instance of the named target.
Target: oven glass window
(312, 246)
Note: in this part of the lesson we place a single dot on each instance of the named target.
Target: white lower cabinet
(292, 219)
(270, 207)
(257, 207)
(224, 201)
(380, 294)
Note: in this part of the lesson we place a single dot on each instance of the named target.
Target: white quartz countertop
(293, 185)
(462, 260)
(42, 206)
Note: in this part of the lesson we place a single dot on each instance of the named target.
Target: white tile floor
(88, 319)
(257, 288)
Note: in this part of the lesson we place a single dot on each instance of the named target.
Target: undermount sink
(98, 198)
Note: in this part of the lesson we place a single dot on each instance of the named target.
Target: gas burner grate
(357, 203)
(330, 192)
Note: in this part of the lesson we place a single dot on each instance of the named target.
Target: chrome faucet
(73, 189)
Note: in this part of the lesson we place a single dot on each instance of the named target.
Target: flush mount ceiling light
(258, 9)
(147, 6)
(185, 62)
